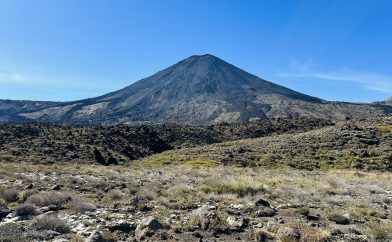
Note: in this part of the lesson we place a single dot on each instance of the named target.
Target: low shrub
(116, 195)
(25, 210)
(79, 206)
(50, 222)
(9, 195)
(50, 198)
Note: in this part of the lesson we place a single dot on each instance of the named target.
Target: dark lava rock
(55, 187)
(125, 227)
(262, 202)
(4, 212)
(339, 219)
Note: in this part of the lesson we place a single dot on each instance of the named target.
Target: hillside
(199, 90)
(363, 144)
(42, 143)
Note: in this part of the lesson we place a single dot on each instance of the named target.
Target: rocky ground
(227, 189)
(192, 203)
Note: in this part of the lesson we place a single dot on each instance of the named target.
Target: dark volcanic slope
(198, 90)
(50, 143)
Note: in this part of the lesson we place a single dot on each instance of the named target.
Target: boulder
(205, 215)
(288, 234)
(122, 226)
(147, 228)
(237, 222)
(96, 236)
(262, 202)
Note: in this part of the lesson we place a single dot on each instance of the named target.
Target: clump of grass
(9, 195)
(50, 222)
(381, 231)
(3, 203)
(79, 206)
(240, 188)
(50, 198)
(143, 207)
(201, 163)
(304, 211)
(158, 161)
(116, 195)
(385, 129)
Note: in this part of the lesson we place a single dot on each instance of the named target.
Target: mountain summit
(202, 89)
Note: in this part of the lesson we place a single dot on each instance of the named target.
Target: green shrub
(304, 211)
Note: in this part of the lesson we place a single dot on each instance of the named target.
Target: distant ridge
(199, 90)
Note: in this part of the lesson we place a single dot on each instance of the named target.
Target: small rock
(60, 240)
(55, 187)
(4, 212)
(48, 208)
(50, 234)
(340, 219)
(12, 219)
(336, 231)
(271, 224)
(28, 186)
(263, 235)
(266, 212)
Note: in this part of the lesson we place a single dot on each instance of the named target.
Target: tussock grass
(241, 188)
(201, 163)
(385, 129)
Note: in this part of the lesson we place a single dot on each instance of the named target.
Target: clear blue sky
(73, 49)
